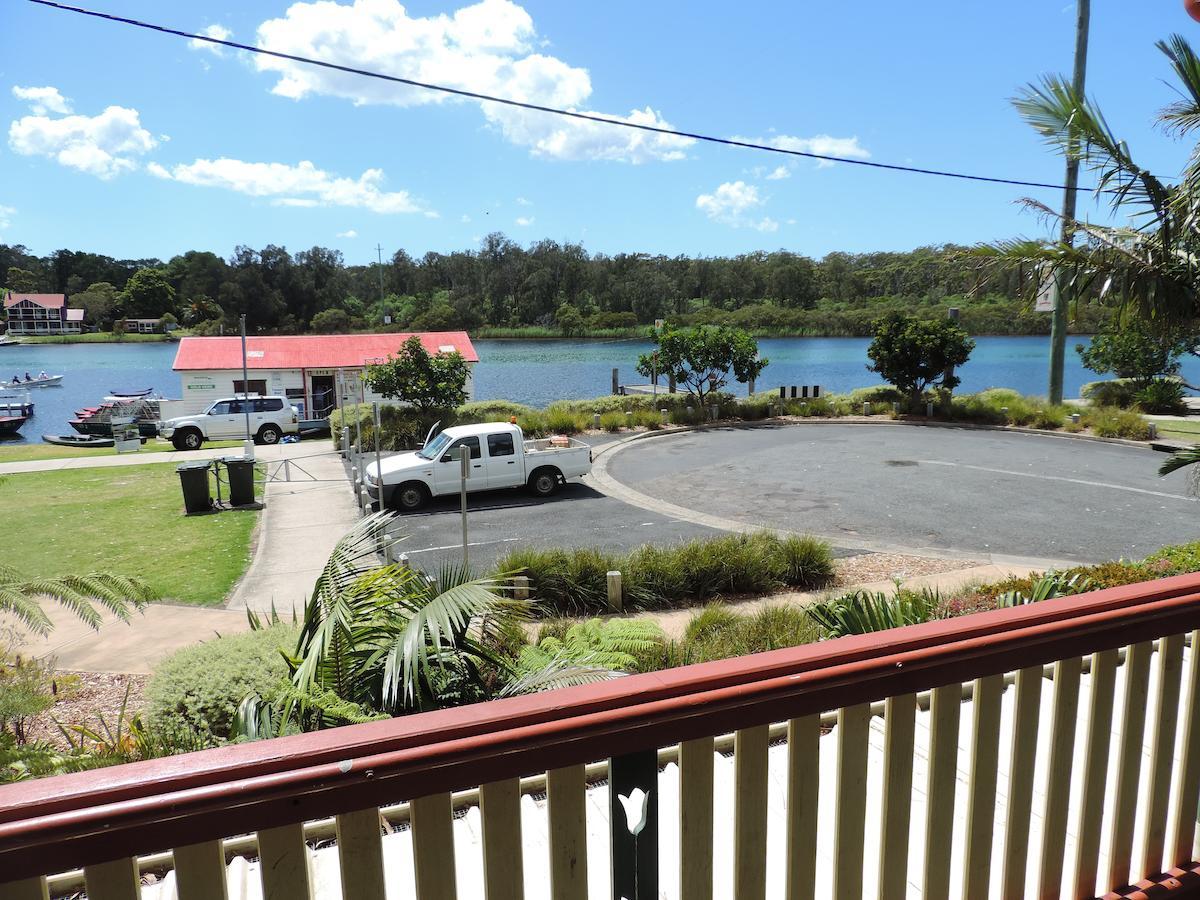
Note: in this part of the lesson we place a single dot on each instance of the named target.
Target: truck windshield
(434, 448)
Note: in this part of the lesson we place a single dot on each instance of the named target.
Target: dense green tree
(702, 359)
(23, 281)
(569, 320)
(147, 295)
(99, 303)
(425, 380)
(331, 321)
(1133, 348)
(915, 355)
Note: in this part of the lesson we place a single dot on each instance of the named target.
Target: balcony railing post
(633, 825)
(1183, 816)
(1090, 816)
(696, 819)
(1063, 726)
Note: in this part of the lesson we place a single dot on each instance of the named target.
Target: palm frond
(565, 671)
(1183, 116)
(1177, 461)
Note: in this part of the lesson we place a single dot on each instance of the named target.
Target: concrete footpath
(266, 454)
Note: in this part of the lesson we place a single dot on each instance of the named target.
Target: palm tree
(1149, 263)
(22, 598)
(389, 640)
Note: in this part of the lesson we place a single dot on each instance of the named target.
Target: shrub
(623, 645)
(200, 687)
(573, 582)
(718, 633)
(1161, 397)
(490, 411)
(1118, 423)
(1180, 559)
(612, 421)
(861, 612)
(1119, 392)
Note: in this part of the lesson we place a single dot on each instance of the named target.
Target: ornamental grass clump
(716, 632)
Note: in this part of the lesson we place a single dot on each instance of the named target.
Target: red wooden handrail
(55, 824)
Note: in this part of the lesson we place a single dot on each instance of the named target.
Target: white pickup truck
(500, 458)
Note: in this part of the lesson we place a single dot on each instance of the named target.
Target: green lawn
(25, 452)
(95, 337)
(1182, 431)
(128, 520)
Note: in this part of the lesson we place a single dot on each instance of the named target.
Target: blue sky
(135, 144)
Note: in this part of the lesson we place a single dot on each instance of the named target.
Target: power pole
(379, 251)
(1058, 316)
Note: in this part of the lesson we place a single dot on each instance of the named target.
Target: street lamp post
(1058, 316)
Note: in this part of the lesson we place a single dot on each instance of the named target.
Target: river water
(538, 372)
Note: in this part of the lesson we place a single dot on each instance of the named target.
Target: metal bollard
(1004, 411)
(1075, 418)
(713, 412)
(346, 442)
(896, 407)
(866, 407)
(929, 409)
(364, 502)
(629, 418)
(616, 602)
(354, 476)
(521, 587)
(665, 414)
(1152, 431)
(596, 421)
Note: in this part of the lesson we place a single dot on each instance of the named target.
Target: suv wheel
(268, 434)
(191, 439)
(410, 496)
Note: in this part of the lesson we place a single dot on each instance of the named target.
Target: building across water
(317, 373)
(41, 314)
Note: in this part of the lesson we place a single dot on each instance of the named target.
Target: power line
(568, 113)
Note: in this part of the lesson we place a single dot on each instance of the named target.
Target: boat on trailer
(131, 395)
(98, 422)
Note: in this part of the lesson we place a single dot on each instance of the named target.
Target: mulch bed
(95, 695)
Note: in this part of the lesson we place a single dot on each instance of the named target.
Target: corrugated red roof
(317, 351)
(50, 301)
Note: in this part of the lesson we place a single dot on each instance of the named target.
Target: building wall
(214, 384)
(30, 318)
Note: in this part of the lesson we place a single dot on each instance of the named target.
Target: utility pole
(379, 252)
(249, 445)
(1058, 316)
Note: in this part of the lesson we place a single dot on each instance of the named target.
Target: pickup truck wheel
(410, 496)
(191, 439)
(544, 482)
(268, 434)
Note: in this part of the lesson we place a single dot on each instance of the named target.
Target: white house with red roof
(34, 314)
(316, 372)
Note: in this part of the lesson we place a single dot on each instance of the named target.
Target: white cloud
(824, 144)
(488, 47)
(734, 203)
(348, 234)
(6, 217)
(524, 221)
(779, 173)
(465, 218)
(104, 145)
(301, 185)
(521, 201)
(220, 32)
(43, 100)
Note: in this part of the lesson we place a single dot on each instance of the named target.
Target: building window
(257, 386)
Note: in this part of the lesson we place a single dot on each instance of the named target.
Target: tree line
(549, 285)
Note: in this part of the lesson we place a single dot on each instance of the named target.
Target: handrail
(84, 818)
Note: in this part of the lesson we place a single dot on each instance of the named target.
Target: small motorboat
(10, 425)
(131, 395)
(48, 381)
(79, 440)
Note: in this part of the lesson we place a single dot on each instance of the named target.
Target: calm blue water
(537, 372)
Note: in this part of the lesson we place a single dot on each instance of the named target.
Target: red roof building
(41, 314)
(319, 372)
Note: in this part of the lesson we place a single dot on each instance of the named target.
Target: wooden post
(616, 382)
(616, 601)
(521, 587)
(666, 416)
(596, 421)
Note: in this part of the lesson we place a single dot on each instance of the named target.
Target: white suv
(270, 419)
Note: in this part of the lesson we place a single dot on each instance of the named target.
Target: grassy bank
(32, 452)
(127, 520)
(98, 337)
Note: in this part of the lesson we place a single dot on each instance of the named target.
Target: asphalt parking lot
(943, 490)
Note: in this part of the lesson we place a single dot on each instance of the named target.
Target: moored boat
(10, 425)
(79, 440)
(131, 395)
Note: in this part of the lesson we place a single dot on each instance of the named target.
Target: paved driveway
(897, 487)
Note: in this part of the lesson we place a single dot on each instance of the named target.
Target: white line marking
(1084, 481)
(459, 546)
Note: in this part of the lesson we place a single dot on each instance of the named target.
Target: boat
(10, 425)
(98, 423)
(9, 342)
(48, 381)
(16, 403)
(131, 395)
(79, 440)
